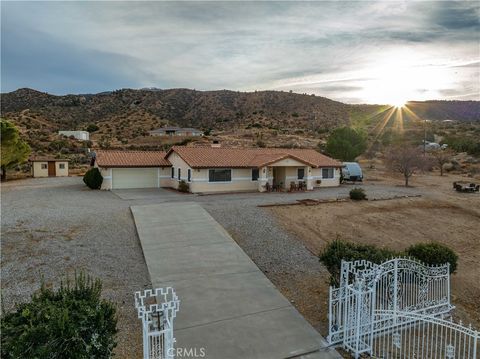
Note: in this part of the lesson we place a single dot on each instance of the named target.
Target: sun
(398, 103)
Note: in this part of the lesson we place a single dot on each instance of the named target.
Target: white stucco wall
(38, 171)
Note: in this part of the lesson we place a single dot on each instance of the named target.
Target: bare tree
(405, 160)
(442, 156)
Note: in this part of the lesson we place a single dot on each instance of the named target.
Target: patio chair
(293, 186)
(267, 187)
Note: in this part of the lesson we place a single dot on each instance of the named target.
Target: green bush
(183, 186)
(71, 322)
(338, 249)
(358, 194)
(93, 178)
(434, 254)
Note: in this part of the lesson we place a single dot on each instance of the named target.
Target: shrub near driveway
(434, 254)
(93, 178)
(358, 194)
(72, 322)
(429, 253)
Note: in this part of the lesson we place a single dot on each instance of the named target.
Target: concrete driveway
(227, 305)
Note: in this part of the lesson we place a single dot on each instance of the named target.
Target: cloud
(304, 46)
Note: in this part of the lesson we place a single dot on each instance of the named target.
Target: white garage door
(134, 178)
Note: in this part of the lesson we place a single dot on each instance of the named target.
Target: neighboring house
(49, 167)
(133, 169)
(79, 135)
(219, 169)
(176, 131)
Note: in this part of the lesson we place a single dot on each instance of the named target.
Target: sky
(355, 52)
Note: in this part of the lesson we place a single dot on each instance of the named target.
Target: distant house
(176, 131)
(79, 135)
(49, 167)
(218, 169)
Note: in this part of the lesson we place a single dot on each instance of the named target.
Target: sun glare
(398, 103)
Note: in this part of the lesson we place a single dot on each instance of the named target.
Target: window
(44, 166)
(327, 172)
(173, 172)
(61, 166)
(179, 174)
(219, 175)
(255, 173)
(300, 173)
(189, 175)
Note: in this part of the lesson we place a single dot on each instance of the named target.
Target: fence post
(395, 291)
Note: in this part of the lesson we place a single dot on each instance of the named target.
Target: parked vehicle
(352, 171)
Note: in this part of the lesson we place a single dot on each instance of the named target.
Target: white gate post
(157, 309)
(395, 291)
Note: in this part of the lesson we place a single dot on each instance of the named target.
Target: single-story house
(176, 131)
(49, 167)
(79, 135)
(218, 169)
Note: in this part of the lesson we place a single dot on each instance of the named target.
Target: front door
(51, 169)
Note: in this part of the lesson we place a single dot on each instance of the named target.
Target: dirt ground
(440, 215)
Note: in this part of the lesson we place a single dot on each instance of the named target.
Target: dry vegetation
(440, 215)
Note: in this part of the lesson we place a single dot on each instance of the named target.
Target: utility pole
(424, 137)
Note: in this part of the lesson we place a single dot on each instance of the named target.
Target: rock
(448, 167)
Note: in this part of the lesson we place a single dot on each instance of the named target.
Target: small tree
(346, 144)
(441, 156)
(14, 149)
(405, 160)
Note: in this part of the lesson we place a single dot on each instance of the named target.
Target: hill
(123, 118)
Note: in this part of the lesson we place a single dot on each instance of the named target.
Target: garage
(133, 169)
(123, 178)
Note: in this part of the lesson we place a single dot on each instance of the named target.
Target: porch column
(262, 179)
(309, 177)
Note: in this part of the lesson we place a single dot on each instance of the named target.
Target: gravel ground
(52, 227)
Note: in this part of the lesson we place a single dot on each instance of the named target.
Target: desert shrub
(93, 178)
(71, 322)
(183, 186)
(261, 143)
(434, 254)
(358, 194)
(338, 249)
(92, 128)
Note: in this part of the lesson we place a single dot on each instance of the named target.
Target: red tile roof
(208, 157)
(132, 159)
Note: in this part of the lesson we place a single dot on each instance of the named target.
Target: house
(176, 131)
(79, 135)
(218, 169)
(49, 167)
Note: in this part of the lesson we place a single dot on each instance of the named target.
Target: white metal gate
(423, 336)
(157, 309)
(400, 284)
(373, 301)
